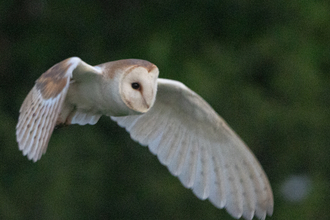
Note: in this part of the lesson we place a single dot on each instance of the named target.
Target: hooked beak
(147, 105)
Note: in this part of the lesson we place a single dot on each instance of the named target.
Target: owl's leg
(65, 116)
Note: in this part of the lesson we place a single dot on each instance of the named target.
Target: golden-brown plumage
(51, 83)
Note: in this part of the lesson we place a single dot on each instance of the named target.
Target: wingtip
(235, 213)
(270, 210)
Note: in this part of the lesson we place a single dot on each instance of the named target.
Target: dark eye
(135, 85)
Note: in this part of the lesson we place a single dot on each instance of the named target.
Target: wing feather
(178, 159)
(165, 142)
(157, 133)
(169, 144)
(151, 128)
(41, 123)
(126, 122)
(41, 107)
(201, 186)
(187, 177)
(44, 128)
(154, 144)
(83, 118)
(218, 189)
(248, 196)
(39, 120)
(234, 202)
(199, 147)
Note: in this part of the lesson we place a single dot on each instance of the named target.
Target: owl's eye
(135, 85)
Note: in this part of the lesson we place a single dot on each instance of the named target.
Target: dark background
(262, 65)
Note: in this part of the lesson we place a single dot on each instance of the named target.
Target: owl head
(136, 81)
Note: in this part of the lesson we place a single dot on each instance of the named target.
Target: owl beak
(146, 104)
(147, 99)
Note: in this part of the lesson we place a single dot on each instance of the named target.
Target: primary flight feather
(177, 125)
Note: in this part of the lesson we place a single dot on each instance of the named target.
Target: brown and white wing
(41, 107)
(196, 145)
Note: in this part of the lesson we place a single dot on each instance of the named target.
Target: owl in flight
(177, 125)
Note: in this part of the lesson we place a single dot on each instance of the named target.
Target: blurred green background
(263, 66)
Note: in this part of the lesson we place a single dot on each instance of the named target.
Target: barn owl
(177, 125)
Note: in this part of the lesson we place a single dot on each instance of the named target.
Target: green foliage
(263, 66)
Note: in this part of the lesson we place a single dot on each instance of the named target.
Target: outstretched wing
(41, 107)
(196, 145)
